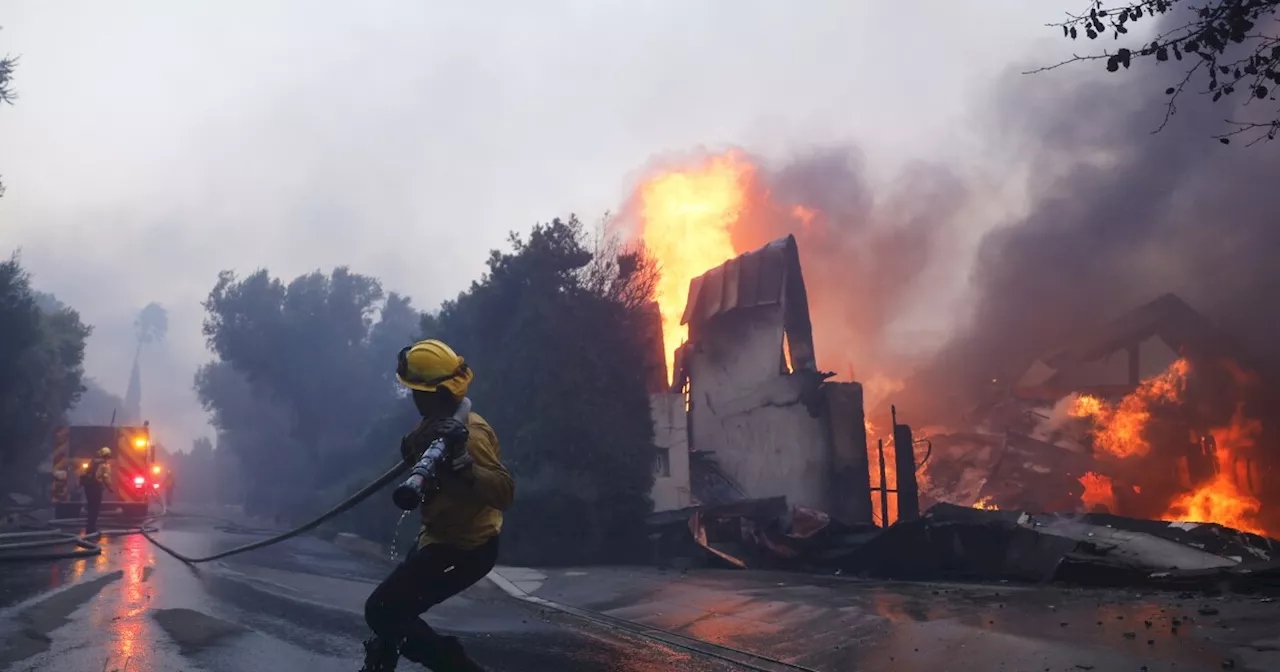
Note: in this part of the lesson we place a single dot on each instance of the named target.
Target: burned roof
(1177, 324)
(1170, 319)
(768, 276)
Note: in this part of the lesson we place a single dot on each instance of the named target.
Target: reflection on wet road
(289, 607)
(834, 624)
(299, 606)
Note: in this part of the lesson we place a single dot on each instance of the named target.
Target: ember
(985, 504)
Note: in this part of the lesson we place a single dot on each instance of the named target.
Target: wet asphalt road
(297, 606)
(294, 606)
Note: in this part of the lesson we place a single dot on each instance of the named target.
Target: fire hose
(407, 496)
(88, 547)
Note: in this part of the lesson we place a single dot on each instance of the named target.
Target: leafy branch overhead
(1231, 46)
(6, 94)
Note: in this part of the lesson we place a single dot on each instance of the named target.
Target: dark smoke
(1118, 216)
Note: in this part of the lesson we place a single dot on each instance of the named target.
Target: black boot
(445, 654)
(380, 655)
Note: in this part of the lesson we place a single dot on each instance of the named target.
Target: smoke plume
(1118, 216)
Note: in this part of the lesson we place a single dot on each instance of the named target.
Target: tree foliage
(205, 475)
(1232, 46)
(304, 396)
(7, 95)
(303, 391)
(553, 332)
(152, 324)
(302, 373)
(41, 369)
(96, 406)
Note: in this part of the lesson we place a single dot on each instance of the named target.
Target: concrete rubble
(960, 543)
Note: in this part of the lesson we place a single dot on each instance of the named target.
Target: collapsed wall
(758, 417)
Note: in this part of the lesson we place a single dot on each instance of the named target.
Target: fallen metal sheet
(699, 531)
(1209, 537)
(958, 542)
(1129, 548)
(953, 542)
(961, 543)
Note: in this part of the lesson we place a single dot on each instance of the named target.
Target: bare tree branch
(1233, 46)
(7, 95)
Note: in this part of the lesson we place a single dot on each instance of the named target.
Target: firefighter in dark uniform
(95, 480)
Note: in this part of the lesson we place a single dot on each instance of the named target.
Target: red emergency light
(155, 486)
(138, 481)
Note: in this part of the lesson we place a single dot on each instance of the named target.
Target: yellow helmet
(104, 452)
(429, 365)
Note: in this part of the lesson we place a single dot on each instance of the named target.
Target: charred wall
(753, 417)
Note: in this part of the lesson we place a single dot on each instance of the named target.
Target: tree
(96, 406)
(1230, 45)
(553, 332)
(205, 475)
(41, 369)
(303, 392)
(6, 93)
(304, 369)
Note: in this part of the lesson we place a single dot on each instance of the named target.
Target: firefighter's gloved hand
(453, 431)
(455, 435)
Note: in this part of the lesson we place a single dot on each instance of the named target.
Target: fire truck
(136, 477)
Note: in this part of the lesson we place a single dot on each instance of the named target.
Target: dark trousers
(429, 576)
(92, 506)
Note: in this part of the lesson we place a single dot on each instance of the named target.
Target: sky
(154, 144)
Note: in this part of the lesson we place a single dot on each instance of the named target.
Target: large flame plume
(862, 256)
(686, 216)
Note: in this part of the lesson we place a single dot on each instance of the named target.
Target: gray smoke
(864, 251)
(1118, 217)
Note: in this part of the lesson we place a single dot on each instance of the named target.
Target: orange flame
(1097, 492)
(686, 217)
(1119, 429)
(985, 504)
(1221, 499)
(804, 214)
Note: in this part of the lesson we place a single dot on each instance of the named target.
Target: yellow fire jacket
(465, 515)
(100, 471)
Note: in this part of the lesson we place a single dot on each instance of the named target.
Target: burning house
(1148, 417)
(749, 416)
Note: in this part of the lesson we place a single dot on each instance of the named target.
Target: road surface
(297, 606)
(294, 606)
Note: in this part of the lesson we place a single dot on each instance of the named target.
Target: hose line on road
(346, 504)
(48, 533)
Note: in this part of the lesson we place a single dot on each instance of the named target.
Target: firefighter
(458, 541)
(94, 481)
(168, 488)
